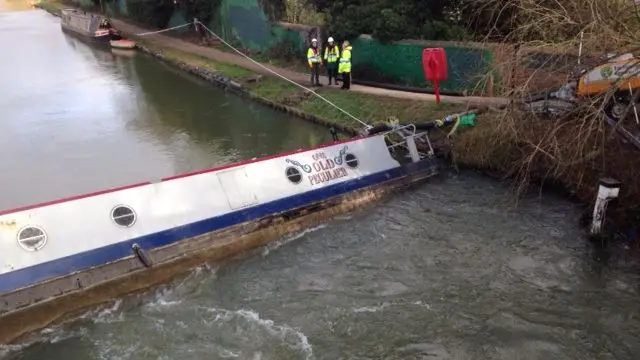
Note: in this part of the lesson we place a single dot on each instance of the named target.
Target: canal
(451, 270)
(77, 118)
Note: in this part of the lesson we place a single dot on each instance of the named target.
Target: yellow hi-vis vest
(345, 61)
(332, 55)
(313, 56)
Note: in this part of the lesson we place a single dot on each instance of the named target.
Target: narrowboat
(63, 256)
(86, 25)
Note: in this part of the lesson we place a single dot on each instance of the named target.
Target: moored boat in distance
(90, 26)
(66, 255)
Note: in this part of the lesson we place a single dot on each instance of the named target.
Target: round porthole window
(351, 161)
(123, 216)
(293, 175)
(32, 238)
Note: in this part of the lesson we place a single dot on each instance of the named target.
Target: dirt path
(303, 79)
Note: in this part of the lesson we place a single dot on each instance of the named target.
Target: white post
(608, 189)
(635, 109)
(413, 149)
(580, 48)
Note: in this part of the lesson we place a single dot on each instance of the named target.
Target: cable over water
(195, 22)
(163, 30)
(367, 126)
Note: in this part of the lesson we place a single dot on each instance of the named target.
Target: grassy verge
(50, 6)
(369, 108)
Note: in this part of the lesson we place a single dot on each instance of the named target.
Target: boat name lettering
(324, 167)
(327, 168)
(331, 173)
(305, 167)
(337, 159)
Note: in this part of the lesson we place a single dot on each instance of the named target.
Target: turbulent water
(450, 270)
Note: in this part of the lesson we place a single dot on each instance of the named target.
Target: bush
(285, 50)
(153, 13)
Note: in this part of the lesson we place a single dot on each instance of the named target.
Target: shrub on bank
(578, 147)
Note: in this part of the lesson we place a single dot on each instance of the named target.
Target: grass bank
(50, 6)
(366, 107)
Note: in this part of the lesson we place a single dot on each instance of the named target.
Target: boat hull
(84, 25)
(32, 307)
(102, 40)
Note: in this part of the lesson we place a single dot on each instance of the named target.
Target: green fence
(400, 63)
(244, 23)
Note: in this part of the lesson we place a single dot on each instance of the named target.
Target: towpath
(303, 79)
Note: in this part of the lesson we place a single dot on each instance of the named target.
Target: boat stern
(101, 36)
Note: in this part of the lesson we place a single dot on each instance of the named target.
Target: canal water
(77, 118)
(450, 270)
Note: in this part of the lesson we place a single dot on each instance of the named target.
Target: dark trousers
(346, 80)
(315, 74)
(332, 72)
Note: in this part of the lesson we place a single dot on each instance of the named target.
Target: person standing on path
(344, 67)
(313, 57)
(331, 56)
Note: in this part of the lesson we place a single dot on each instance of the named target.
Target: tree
(388, 20)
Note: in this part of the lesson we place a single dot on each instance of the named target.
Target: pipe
(545, 95)
(429, 125)
(379, 128)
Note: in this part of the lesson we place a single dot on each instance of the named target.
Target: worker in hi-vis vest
(344, 66)
(314, 59)
(331, 56)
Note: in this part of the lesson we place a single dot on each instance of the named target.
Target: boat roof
(178, 176)
(79, 12)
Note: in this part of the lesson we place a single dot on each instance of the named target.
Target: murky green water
(450, 270)
(77, 118)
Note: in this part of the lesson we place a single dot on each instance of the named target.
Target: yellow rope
(455, 126)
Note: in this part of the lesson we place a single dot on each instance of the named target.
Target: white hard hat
(330, 39)
(314, 40)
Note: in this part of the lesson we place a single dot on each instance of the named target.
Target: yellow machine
(621, 73)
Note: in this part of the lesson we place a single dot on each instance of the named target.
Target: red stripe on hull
(197, 172)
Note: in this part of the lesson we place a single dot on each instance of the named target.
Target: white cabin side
(77, 21)
(76, 226)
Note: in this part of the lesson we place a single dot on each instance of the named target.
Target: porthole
(32, 238)
(351, 161)
(293, 175)
(123, 215)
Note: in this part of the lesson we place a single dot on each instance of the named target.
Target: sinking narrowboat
(86, 25)
(63, 256)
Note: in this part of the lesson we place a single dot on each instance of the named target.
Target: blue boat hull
(95, 276)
